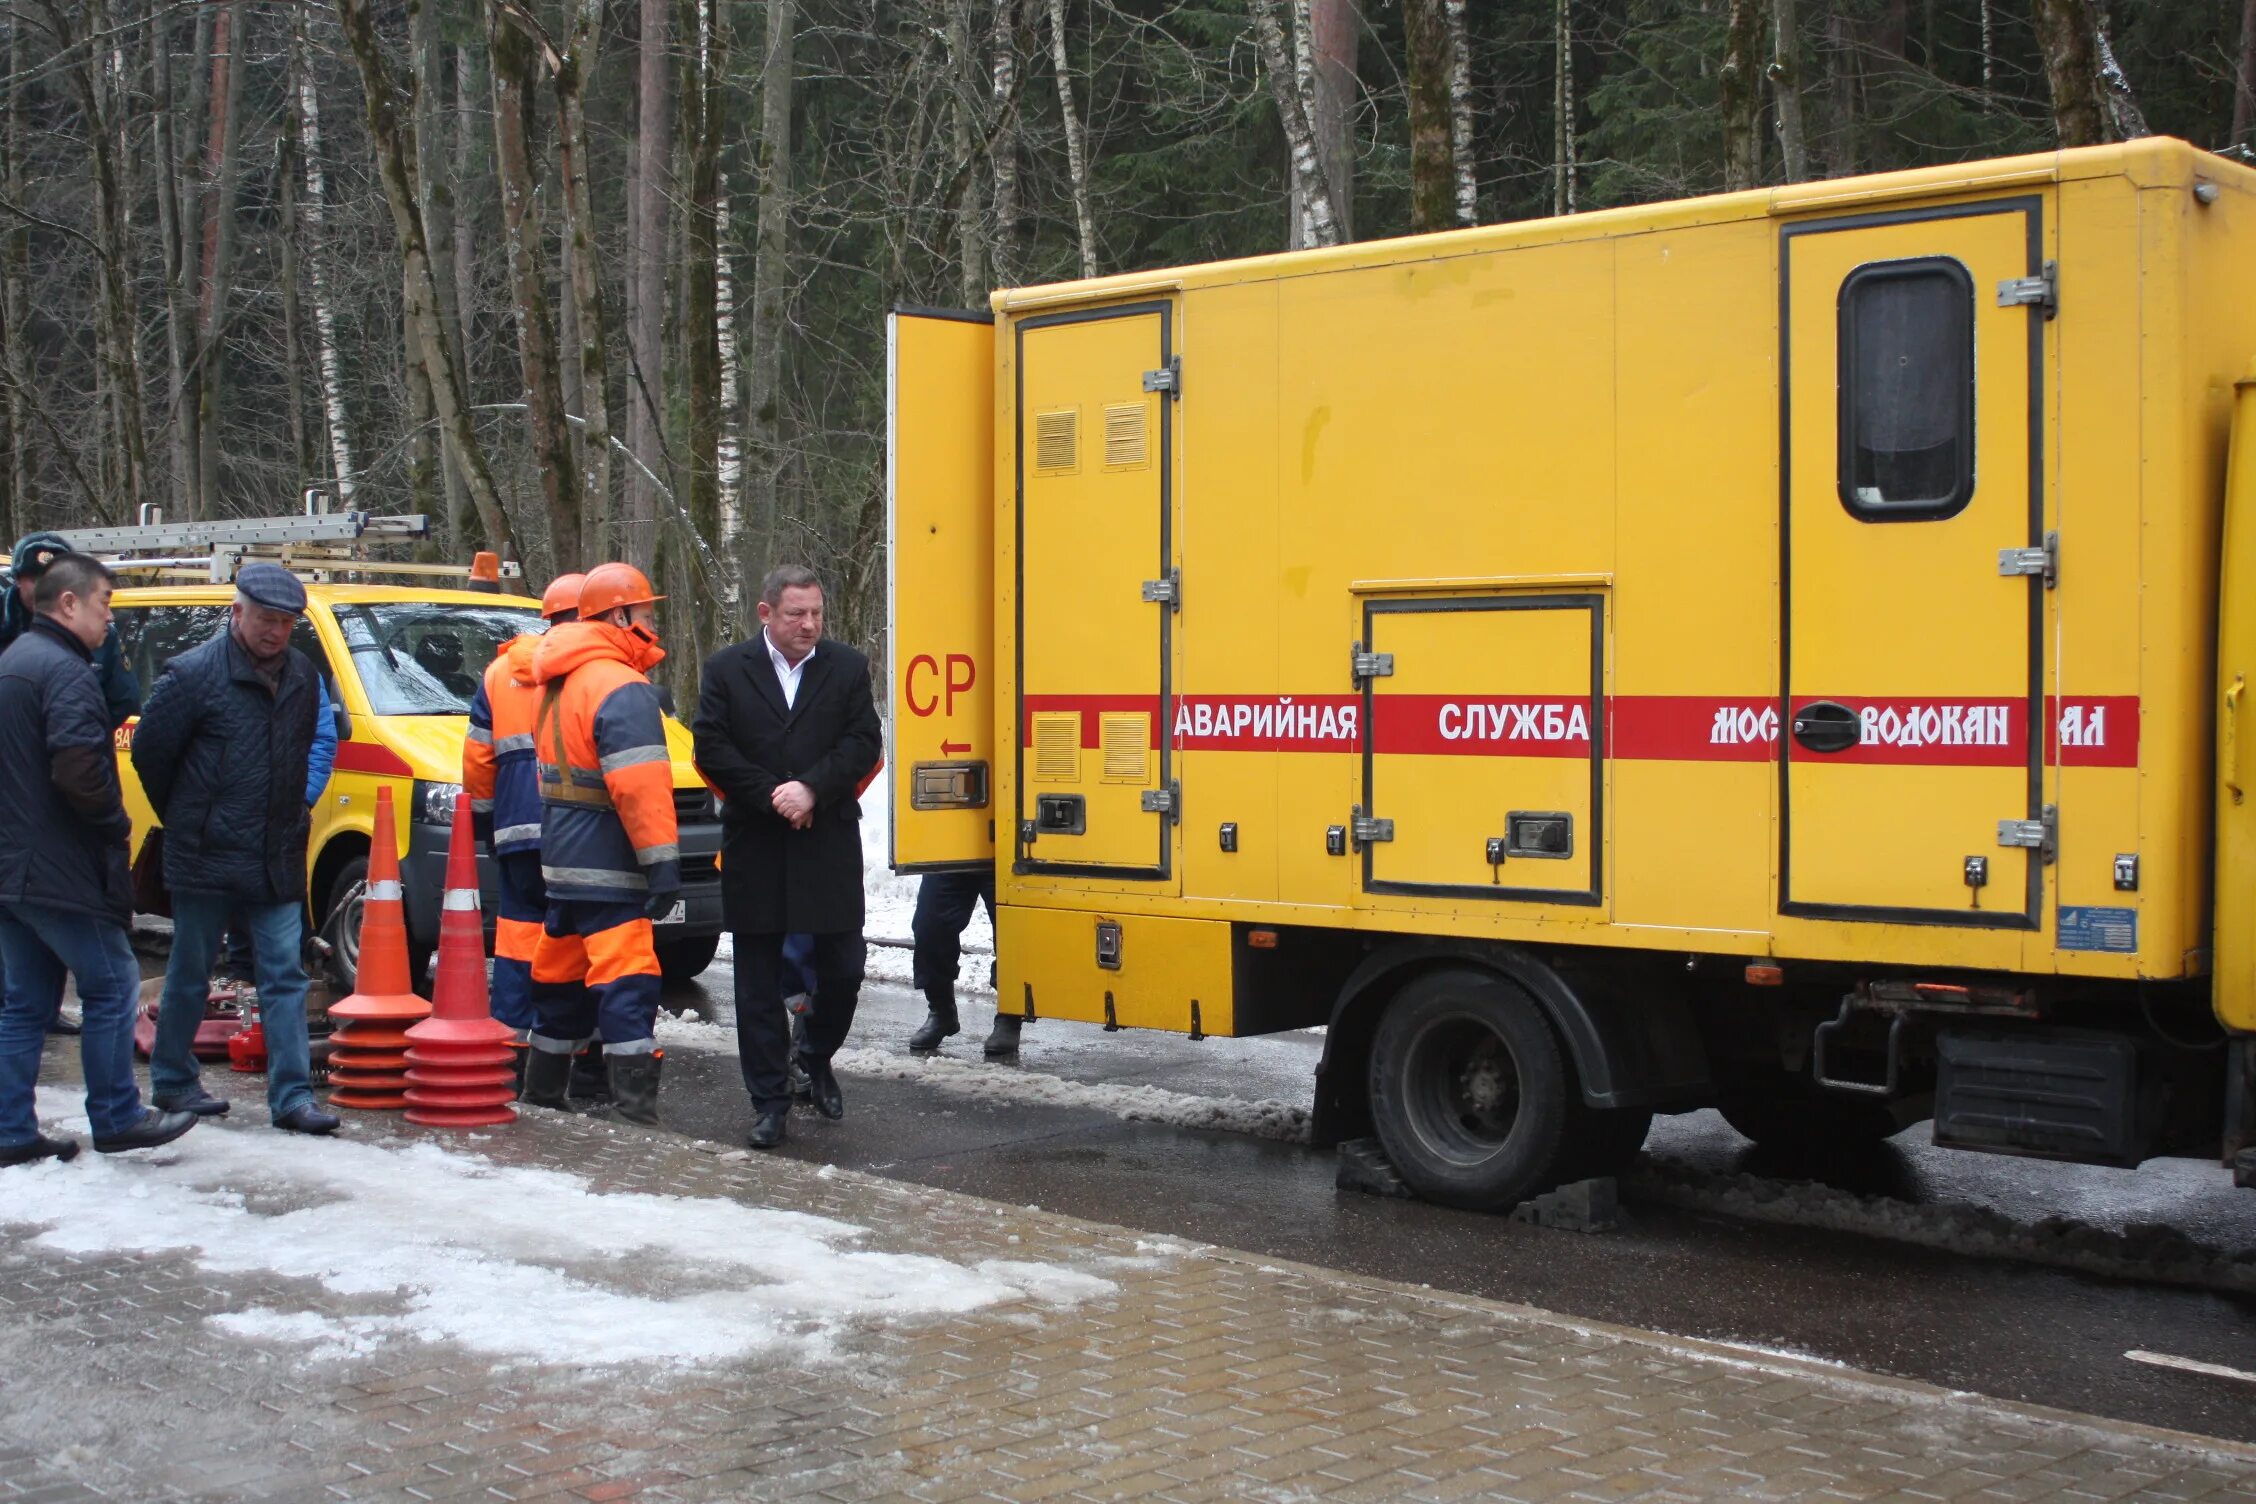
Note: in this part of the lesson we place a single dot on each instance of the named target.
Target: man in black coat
(66, 898)
(786, 731)
(222, 751)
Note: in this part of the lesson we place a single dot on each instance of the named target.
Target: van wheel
(1809, 1119)
(680, 961)
(340, 921)
(1469, 1090)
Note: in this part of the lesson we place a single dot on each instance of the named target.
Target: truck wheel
(1469, 1090)
(1808, 1119)
(681, 960)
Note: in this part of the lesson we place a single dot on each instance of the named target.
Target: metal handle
(2231, 758)
(1827, 727)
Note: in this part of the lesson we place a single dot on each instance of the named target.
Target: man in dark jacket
(786, 730)
(222, 751)
(65, 896)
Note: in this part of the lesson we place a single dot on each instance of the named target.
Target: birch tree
(305, 112)
(1786, 89)
(647, 220)
(771, 273)
(1076, 143)
(1740, 83)
(1322, 222)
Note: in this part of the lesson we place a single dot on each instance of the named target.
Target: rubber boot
(634, 1087)
(546, 1076)
(939, 1022)
(590, 1082)
(1003, 1038)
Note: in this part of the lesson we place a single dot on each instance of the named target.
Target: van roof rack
(318, 545)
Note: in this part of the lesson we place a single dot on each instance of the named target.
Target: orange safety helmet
(610, 586)
(562, 595)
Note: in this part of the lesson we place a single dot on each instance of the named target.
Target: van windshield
(416, 659)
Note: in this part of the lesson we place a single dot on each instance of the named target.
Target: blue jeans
(39, 944)
(277, 936)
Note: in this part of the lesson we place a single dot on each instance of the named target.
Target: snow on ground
(428, 1243)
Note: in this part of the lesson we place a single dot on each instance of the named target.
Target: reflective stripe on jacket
(606, 773)
(498, 775)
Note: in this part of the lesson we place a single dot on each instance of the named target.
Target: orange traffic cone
(367, 1058)
(458, 1059)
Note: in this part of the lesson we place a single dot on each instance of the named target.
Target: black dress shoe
(768, 1131)
(40, 1147)
(156, 1127)
(61, 1025)
(936, 1027)
(829, 1100)
(307, 1118)
(194, 1099)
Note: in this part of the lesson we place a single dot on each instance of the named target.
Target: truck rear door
(940, 593)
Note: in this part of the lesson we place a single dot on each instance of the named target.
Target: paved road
(1998, 1328)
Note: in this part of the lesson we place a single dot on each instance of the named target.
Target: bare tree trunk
(1002, 149)
(427, 84)
(1334, 28)
(470, 93)
(173, 209)
(704, 65)
(395, 164)
(514, 77)
(568, 372)
(1432, 69)
(293, 301)
(646, 281)
(771, 274)
(1786, 88)
(15, 265)
(1739, 83)
(1461, 113)
(1563, 115)
(223, 170)
(592, 348)
(966, 132)
(1300, 137)
(2065, 35)
(306, 115)
(2244, 78)
(1076, 145)
(1989, 46)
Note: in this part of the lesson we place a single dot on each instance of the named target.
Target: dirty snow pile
(413, 1241)
(2144, 1251)
(1267, 1118)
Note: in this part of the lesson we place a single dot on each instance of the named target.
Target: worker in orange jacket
(503, 787)
(610, 857)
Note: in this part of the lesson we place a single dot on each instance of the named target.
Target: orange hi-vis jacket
(606, 775)
(498, 776)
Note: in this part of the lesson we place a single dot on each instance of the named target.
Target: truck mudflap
(1627, 1053)
(940, 588)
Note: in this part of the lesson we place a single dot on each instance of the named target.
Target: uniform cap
(271, 586)
(610, 586)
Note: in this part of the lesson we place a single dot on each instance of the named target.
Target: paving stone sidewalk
(1208, 1374)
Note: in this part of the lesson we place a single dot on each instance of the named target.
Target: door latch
(1168, 378)
(2041, 291)
(1167, 592)
(1367, 830)
(2041, 835)
(2043, 560)
(1167, 801)
(1364, 665)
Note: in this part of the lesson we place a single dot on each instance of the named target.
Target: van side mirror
(344, 721)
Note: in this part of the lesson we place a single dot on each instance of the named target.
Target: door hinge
(1167, 801)
(1367, 830)
(1168, 378)
(1167, 592)
(2043, 560)
(1362, 665)
(2040, 291)
(2041, 835)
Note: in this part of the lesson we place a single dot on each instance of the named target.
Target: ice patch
(512, 1262)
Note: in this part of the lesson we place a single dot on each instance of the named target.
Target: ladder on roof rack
(317, 543)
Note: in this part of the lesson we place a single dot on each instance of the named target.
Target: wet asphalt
(2007, 1329)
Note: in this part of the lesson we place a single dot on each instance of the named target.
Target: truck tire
(1808, 1119)
(681, 960)
(1470, 1091)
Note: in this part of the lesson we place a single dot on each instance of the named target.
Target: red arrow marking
(955, 747)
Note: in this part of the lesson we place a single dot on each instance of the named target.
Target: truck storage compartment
(2050, 1096)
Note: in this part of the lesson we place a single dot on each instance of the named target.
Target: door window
(1906, 359)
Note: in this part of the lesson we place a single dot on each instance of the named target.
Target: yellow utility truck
(1785, 651)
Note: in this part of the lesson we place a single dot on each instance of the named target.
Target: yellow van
(402, 664)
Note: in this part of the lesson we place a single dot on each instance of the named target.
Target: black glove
(662, 901)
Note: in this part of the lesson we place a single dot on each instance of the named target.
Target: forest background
(608, 278)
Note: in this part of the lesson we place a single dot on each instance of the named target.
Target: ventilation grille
(1128, 436)
(1057, 441)
(1126, 738)
(1057, 746)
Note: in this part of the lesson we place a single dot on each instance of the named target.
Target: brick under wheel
(1470, 1091)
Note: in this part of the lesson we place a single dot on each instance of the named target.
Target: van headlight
(434, 802)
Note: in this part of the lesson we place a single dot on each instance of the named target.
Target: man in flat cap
(222, 751)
